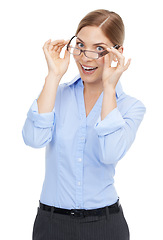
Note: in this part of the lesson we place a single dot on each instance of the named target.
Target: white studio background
(25, 26)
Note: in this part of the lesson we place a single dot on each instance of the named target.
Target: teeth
(88, 68)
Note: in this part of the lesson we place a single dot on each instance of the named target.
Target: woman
(87, 126)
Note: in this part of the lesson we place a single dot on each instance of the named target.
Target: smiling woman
(87, 126)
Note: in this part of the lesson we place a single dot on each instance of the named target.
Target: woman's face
(91, 38)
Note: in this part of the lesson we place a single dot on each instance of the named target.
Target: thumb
(67, 55)
(107, 61)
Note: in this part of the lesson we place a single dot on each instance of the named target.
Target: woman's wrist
(53, 77)
(109, 100)
(109, 89)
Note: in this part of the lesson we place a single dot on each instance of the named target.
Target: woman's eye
(80, 45)
(99, 48)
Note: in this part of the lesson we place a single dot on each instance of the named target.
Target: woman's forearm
(46, 100)
(109, 101)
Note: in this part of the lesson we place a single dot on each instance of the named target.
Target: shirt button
(79, 183)
(79, 159)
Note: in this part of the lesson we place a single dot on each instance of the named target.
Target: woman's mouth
(88, 69)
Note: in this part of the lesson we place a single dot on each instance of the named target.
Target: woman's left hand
(111, 75)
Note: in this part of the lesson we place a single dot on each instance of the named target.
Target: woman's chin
(89, 77)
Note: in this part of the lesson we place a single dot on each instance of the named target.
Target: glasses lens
(73, 47)
(91, 54)
(74, 51)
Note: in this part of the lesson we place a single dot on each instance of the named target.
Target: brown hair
(110, 23)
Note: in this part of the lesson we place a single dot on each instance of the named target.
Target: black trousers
(56, 226)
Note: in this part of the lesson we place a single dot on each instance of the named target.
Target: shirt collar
(78, 80)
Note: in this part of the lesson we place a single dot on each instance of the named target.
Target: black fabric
(82, 212)
(50, 225)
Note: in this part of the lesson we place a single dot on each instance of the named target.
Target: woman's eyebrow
(95, 44)
(99, 44)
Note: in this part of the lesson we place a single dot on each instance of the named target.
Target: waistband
(114, 208)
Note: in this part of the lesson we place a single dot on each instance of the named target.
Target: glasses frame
(85, 51)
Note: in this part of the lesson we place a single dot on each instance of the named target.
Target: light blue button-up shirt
(82, 152)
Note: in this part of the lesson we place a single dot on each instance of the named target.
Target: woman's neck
(92, 88)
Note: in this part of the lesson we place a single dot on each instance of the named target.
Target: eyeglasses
(72, 47)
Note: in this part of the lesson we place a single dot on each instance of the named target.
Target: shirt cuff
(42, 120)
(111, 123)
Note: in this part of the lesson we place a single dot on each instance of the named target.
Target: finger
(46, 44)
(50, 47)
(61, 46)
(107, 62)
(46, 47)
(58, 46)
(55, 44)
(59, 49)
(58, 42)
(120, 57)
(121, 61)
(127, 64)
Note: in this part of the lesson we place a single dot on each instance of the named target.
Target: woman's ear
(120, 49)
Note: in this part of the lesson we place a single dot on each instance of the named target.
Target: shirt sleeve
(38, 128)
(42, 120)
(116, 133)
(111, 123)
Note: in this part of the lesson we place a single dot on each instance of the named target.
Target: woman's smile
(88, 69)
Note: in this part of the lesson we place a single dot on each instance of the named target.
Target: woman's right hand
(56, 65)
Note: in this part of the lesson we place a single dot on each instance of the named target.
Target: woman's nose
(85, 58)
